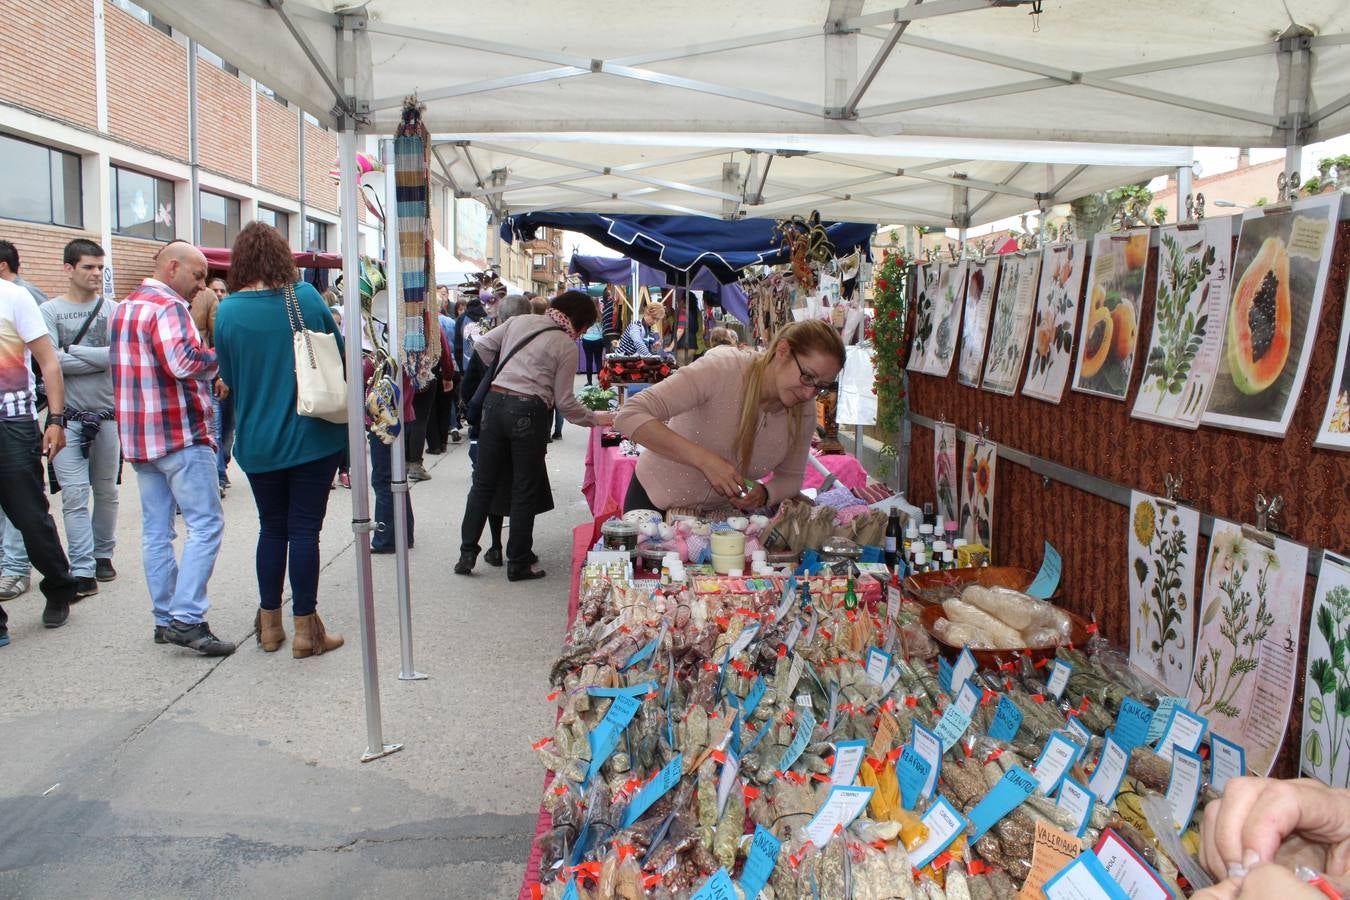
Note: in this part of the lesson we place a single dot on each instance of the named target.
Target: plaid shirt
(161, 374)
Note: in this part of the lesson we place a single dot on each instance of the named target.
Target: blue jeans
(381, 474)
(16, 554)
(186, 479)
(291, 503)
(89, 537)
(223, 428)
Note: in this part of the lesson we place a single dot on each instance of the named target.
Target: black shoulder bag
(478, 392)
(40, 389)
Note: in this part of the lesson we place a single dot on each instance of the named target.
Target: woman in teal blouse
(290, 459)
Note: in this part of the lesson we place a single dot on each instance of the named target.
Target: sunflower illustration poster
(980, 288)
(1335, 431)
(1325, 754)
(1012, 321)
(1056, 318)
(1279, 277)
(977, 493)
(944, 469)
(1115, 298)
(1162, 589)
(1247, 652)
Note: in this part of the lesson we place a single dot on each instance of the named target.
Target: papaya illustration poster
(1279, 276)
(1247, 652)
(977, 492)
(1335, 431)
(1162, 589)
(1194, 266)
(944, 469)
(926, 288)
(1055, 321)
(1115, 297)
(980, 290)
(1012, 321)
(1325, 753)
(951, 295)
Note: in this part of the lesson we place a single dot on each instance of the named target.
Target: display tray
(991, 659)
(934, 587)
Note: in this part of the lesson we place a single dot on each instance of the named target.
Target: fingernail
(1235, 870)
(1250, 859)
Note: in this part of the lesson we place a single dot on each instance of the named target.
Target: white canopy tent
(935, 112)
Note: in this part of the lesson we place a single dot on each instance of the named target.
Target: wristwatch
(57, 419)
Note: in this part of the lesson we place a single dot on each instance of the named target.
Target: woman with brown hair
(731, 417)
(289, 459)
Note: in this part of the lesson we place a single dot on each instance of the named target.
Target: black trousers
(24, 501)
(595, 353)
(512, 443)
(415, 432)
(441, 419)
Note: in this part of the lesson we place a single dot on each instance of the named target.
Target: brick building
(97, 108)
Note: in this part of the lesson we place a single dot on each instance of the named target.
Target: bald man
(162, 383)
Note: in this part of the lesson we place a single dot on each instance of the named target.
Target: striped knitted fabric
(412, 166)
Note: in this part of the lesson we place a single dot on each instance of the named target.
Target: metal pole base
(388, 749)
(415, 676)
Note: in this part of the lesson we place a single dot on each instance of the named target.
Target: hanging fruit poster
(1194, 264)
(1162, 589)
(1055, 321)
(977, 493)
(1115, 297)
(944, 469)
(980, 288)
(951, 295)
(1246, 656)
(1326, 687)
(926, 288)
(1335, 431)
(1280, 274)
(1012, 321)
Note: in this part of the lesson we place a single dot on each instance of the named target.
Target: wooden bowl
(990, 659)
(951, 582)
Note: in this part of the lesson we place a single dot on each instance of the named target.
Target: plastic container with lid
(619, 535)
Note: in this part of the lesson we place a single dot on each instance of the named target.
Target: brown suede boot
(311, 639)
(269, 626)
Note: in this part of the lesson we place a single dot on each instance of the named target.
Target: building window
(268, 92)
(136, 12)
(216, 60)
(220, 219)
(143, 205)
(540, 260)
(40, 184)
(316, 234)
(279, 220)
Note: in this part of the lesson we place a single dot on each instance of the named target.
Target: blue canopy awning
(611, 270)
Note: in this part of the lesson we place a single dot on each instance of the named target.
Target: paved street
(134, 770)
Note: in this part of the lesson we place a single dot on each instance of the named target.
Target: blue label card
(654, 790)
(956, 719)
(1007, 720)
(1110, 771)
(570, 892)
(760, 863)
(913, 772)
(1077, 801)
(1132, 724)
(1227, 760)
(718, 887)
(945, 672)
(1128, 869)
(636, 690)
(806, 723)
(963, 670)
(755, 695)
(1185, 729)
(848, 758)
(877, 664)
(1188, 770)
(1056, 757)
(1047, 579)
(605, 736)
(1016, 785)
(929, 746)
(735, 733)
(967, 698)
(1078, 731)
(1083, 879)
(944, 825)
(647, 650)
(1059, 678)
(842, 805)
(1162, 716)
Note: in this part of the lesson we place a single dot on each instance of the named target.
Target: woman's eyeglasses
(809, 380)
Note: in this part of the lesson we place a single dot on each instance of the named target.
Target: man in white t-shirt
(23, 331)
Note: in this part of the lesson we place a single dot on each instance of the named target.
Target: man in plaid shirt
(162, 379)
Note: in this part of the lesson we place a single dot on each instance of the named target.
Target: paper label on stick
(1016, 785)
(605, 736)
(730, 770)
(877, 664)
(956, 719)
(1077, 801)
(795, 673)
(755, 694)
(1132, 724)
(1129, 870)
(913, 771)
(1227, 760)
(842, 805)
(944, 824)
(929, 746)
(1085, 878)
(1059, 678)
(1106, 778)
(1057, 756)
(892, 601)
(945, 671)
(1054, 849)
(1078, 731)
(760, 863)
(654, 790)
(1007, 720)
(848, 757)
(963, 670)
(1162, 717)
(1047, 579)
(1183, 790)
(1184, 729)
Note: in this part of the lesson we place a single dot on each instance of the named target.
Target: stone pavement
(129, 769)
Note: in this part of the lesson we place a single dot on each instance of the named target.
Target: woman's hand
(723, 477)
(756, 498)
(1262, 883)
(604, 419)
(1263, 820)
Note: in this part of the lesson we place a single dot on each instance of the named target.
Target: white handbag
(320, 378)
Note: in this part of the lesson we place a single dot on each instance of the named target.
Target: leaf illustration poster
(1012, 321)
(1247, 652)
(951, 295)
(944, 469)
(1325, 754)
(1335, 431)
(1162, 589)
(1194, 266)
(926, 289)
(1279, 276)
(980, 289)
(1115, 298)
(1055, 321)
(977, 493)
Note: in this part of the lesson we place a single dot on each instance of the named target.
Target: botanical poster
(1115, 297)
(926, 289)
(947, 306)
(977, 493)
(1326, 689)
(1194, 262)
(1162, 589)
(1055, 321)
(1280, 273)
(1248, 647)
(1012, 320)
(980, 288)
(944, 469)
(1335, 431)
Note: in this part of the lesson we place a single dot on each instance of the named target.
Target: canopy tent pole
(398, 461)
(356, 444)
(1184, 188)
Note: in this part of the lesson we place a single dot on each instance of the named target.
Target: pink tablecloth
(607, 475)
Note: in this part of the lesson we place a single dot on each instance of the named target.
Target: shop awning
(218, 258)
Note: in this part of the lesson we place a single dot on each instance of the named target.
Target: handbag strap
(88, 321)
(297, 322)
(517, 348)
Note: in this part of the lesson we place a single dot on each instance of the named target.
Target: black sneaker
(103, 570)
(84, 587)
(4, 637)
(159, 634)
(197, 637)
(55, 614)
